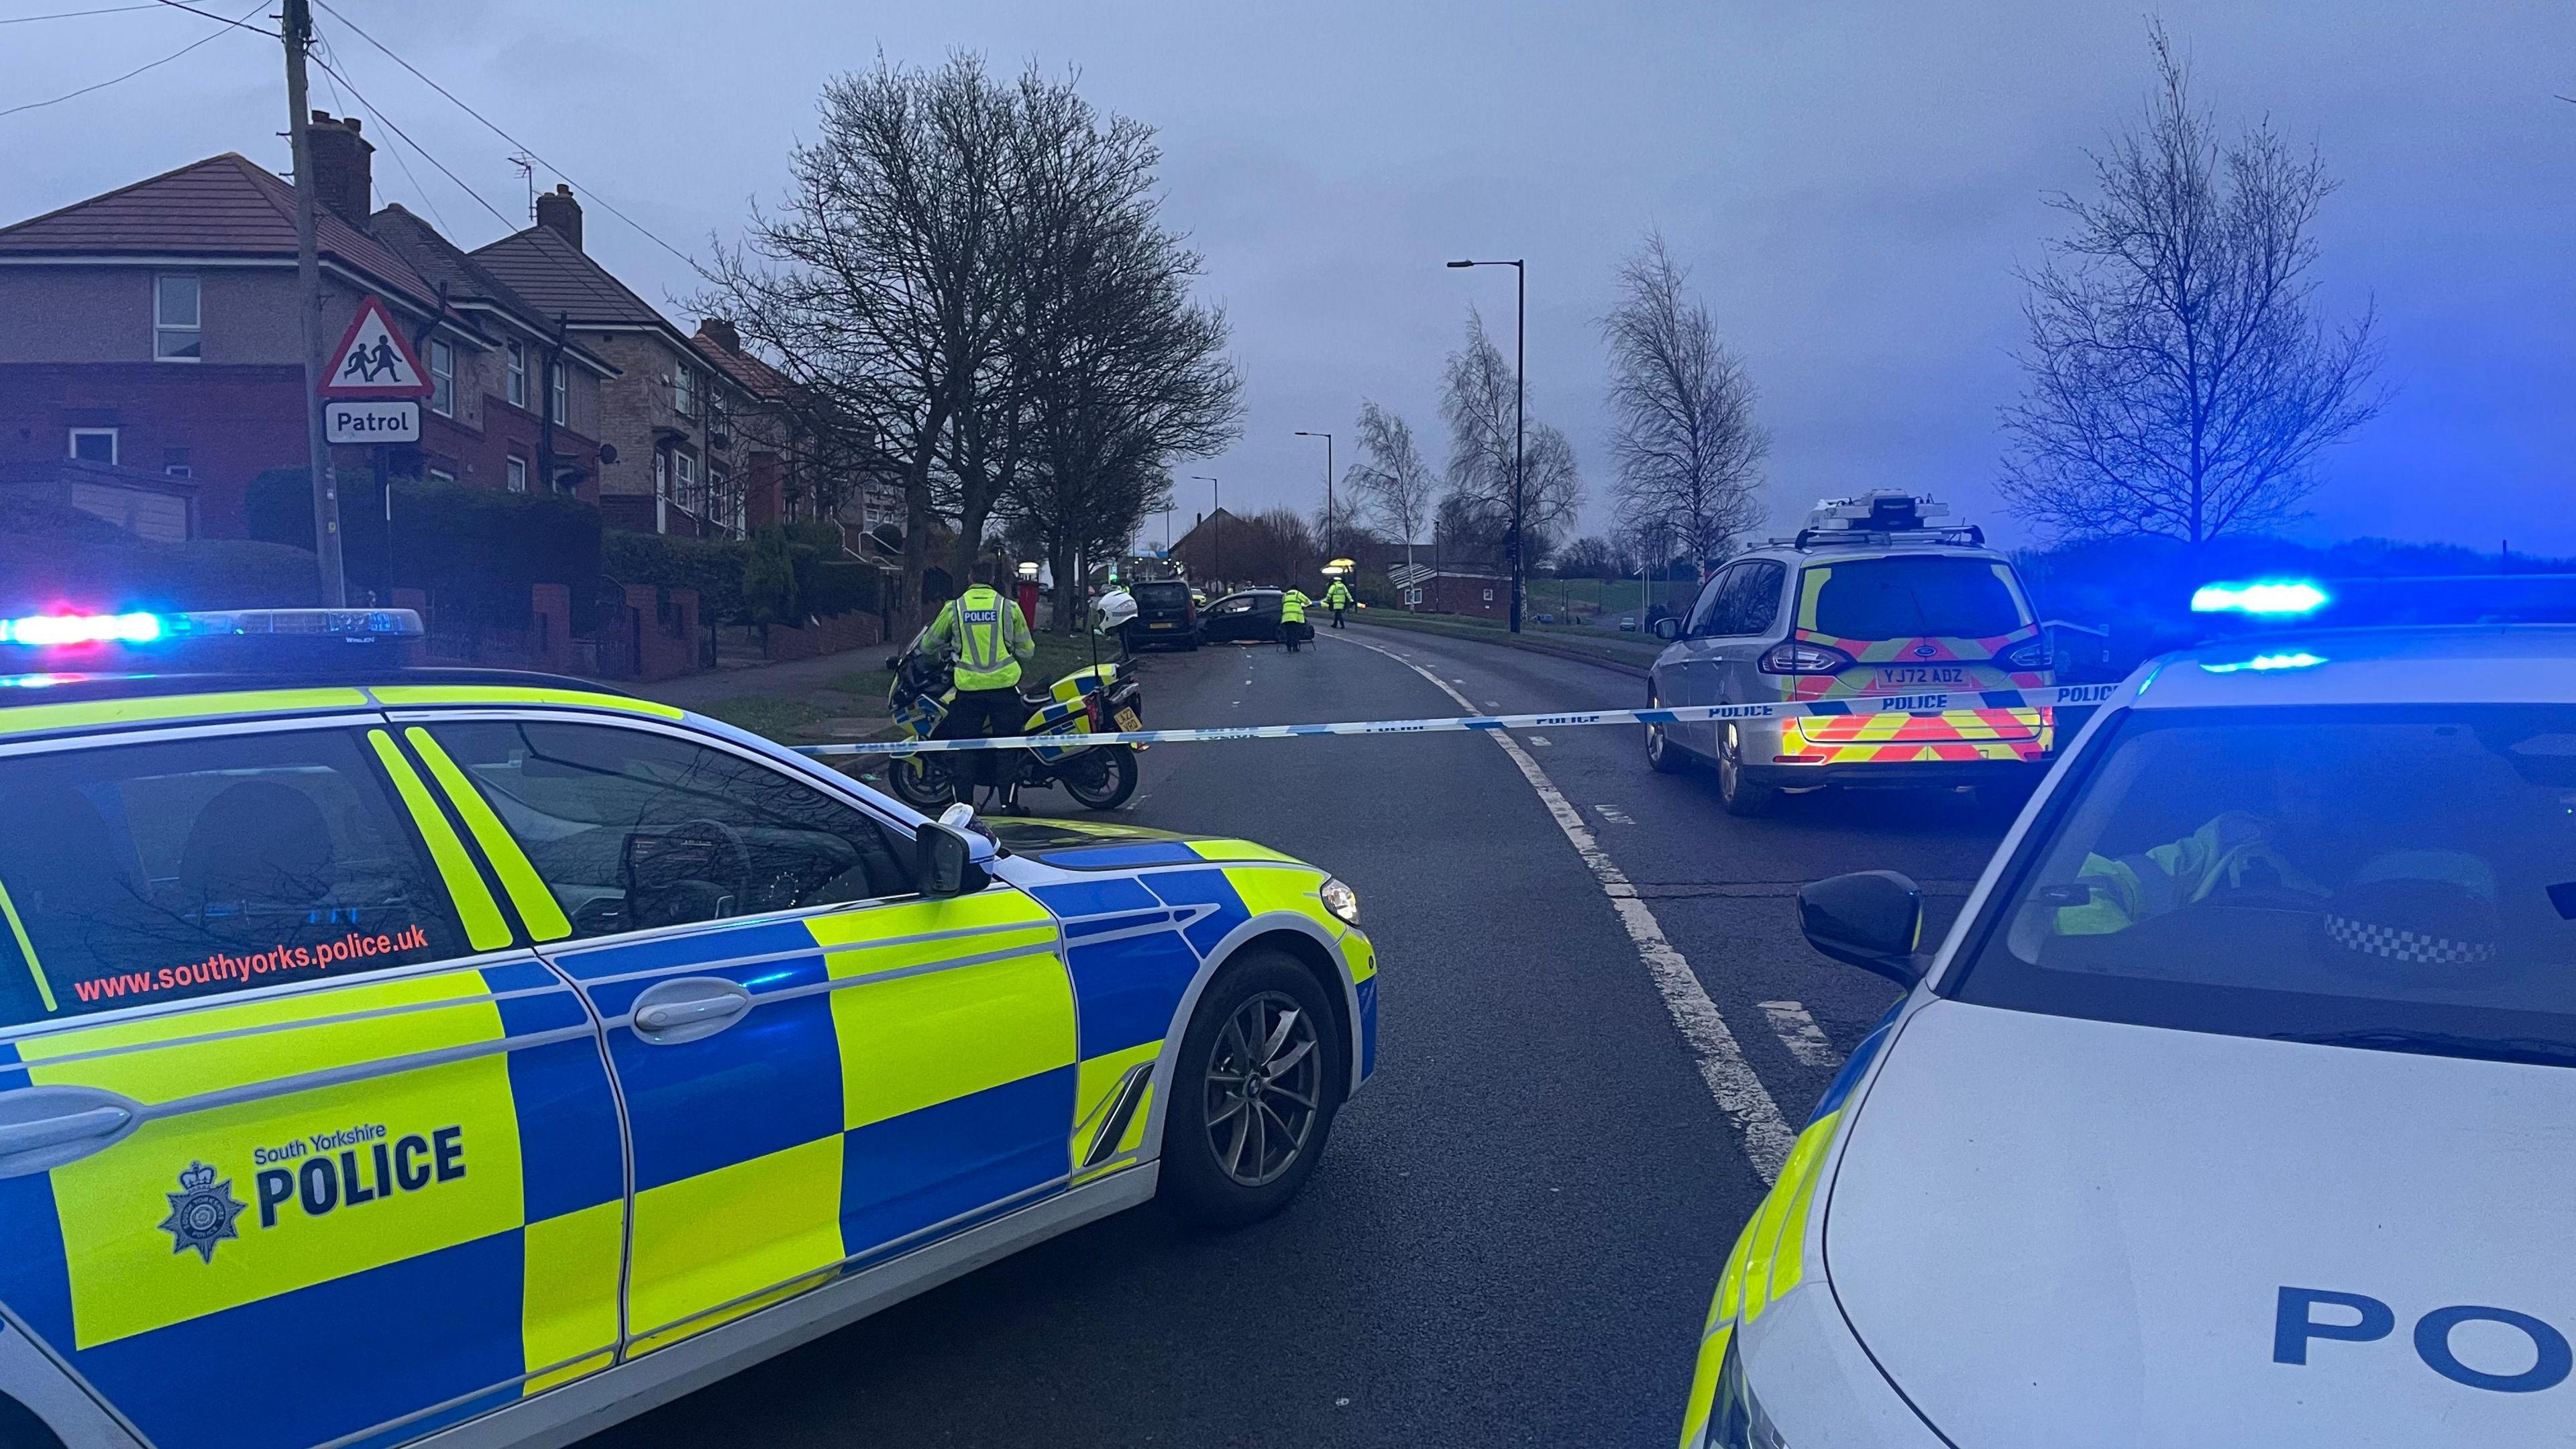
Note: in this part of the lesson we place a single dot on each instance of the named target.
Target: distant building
(1454, 589)
(154, 328)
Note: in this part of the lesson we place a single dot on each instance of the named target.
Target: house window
(721, 500)
(440, 475)
(174, 462)
(174, 317)
(684, 391)
(94, 445)
(684, 483)
(560, 386)
(518, 374)
(518, 471)
(442, 378)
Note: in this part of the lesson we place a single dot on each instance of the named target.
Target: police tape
(1925, 703)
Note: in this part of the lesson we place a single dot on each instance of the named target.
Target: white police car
(2238, 1107)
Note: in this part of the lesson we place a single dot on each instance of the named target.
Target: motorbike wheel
(1100, 779)
(923, 782)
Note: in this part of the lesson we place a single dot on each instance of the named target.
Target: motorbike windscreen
(2393, 877)
(1932, 597)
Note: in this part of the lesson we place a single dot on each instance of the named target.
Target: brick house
(154, 327)
(672, 464)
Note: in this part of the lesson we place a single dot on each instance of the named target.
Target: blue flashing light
(2266, 663)
(50, 630)
(2271, 598)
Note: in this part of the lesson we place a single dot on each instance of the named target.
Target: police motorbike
(1087, 701)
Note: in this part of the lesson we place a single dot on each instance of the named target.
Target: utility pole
(1328, 490)
(297, 28)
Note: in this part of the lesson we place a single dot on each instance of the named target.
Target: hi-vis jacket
(1292, 607)
(1337, 595)
(992, 638)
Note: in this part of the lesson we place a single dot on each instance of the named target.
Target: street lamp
(1216, 530)
(1328, 488)
(1520, 415)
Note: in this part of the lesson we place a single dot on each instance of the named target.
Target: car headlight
(1341, 900)
(1735, 1417)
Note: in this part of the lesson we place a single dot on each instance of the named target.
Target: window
(684, 391)
(93, 445)
(633, 830)
(442, 378)
(175, 317)
(179, 870)
(518, 470)
(1913, 598)
(561, 401)
(684, 482)
(2228, 870)
(174, 462)
(518, 383)
(1743, 599)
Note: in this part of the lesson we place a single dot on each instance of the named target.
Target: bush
(39, 573)
(713, 567)
(830, 586)
(474, 550)
(769, 579)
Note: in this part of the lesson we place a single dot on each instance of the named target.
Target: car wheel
(1253, 1095)
(1662, 755)
(1740, 796)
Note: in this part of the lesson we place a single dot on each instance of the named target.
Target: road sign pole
(298, 30)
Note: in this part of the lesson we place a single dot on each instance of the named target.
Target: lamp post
(1328, 489)
(1216, 530)
(1520, 416)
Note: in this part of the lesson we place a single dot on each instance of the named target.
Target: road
(1515, 1230)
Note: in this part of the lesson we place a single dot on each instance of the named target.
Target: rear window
(1164, 595)
(1911, 598)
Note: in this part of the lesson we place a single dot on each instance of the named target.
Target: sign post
(370, 394)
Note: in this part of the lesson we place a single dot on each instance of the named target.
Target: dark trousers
(984, 714)
(1337, 618)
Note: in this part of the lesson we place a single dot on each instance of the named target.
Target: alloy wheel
(1264, 1084)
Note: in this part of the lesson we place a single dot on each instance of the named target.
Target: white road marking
(1614, 814)
(1799, 1033)
(1541, 741)
(1722, 1067)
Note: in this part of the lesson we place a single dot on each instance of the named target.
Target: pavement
(1514, 1231)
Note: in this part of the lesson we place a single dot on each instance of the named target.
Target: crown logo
(198, 1177)
(201, 1212)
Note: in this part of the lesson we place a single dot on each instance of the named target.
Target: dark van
(1165, 617)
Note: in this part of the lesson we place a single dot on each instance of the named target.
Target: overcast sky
(1852, 185)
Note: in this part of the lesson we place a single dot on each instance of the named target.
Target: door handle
(45, 1127)
(689, 1009)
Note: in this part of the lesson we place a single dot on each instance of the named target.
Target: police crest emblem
(201, 1212)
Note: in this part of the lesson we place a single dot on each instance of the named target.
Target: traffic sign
(373, 361)
(371, 422)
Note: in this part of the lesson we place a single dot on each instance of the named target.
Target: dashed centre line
(1614, 815)
(1799, 1033)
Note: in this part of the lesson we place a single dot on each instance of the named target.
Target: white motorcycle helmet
(1113, 610)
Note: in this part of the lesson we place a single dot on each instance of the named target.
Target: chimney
(557, 209)
(721, 332)
(344, 169)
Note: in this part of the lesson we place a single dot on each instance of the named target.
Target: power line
(388, 121)
(76, 14)
(210, 15)
(416, 188)
(495, 129)
(152, 65)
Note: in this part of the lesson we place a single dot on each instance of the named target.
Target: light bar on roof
(2268, 598)
(54, 630)
(66, 630)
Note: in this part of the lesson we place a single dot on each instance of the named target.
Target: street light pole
(1520, 420)
(1216, 529)
(1329, 555)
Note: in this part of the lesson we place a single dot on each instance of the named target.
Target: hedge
(476, 550)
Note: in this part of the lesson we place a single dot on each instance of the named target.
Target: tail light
(1800, 657)
(2029, 654)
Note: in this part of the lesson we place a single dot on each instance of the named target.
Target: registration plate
(1127, 720)
(1161, 624)
(1908, 676)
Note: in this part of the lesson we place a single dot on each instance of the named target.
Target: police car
(2236, 1108)
(1872, 597)
(390, 1053)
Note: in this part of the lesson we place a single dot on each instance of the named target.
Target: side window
(1753, 596)
(1705, 613)
(185, 869)
(631, 829)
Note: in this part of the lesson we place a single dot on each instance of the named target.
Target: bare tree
(879, 286)
(1478, 401)
(2180, 383)
(1682, 431)
(1390, 479)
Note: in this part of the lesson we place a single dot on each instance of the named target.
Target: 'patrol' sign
(371, 422)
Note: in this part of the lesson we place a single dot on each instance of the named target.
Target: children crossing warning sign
(374, 361)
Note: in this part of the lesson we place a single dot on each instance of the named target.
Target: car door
(298, 1141)
(820, 1066)
(1689, 671)
(1229, 618)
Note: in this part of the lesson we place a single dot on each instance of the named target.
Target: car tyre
(1228, 1087)
(1741, 796)
(1662, 755)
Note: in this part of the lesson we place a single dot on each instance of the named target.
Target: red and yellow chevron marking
(1960, 735)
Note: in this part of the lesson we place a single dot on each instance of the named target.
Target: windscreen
(2399, 878)
(1913, 598)
(1161, 596)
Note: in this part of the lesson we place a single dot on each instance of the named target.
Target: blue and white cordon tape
(1931, 702)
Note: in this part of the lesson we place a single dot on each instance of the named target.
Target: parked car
(1248, 617)
(1627, 623)
(1166, 616)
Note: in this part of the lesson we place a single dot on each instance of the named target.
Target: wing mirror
(1872, 919)
(943, 861)
(1666, 627)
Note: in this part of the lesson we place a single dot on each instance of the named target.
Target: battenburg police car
(2239, 1106)
(388, 1053)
